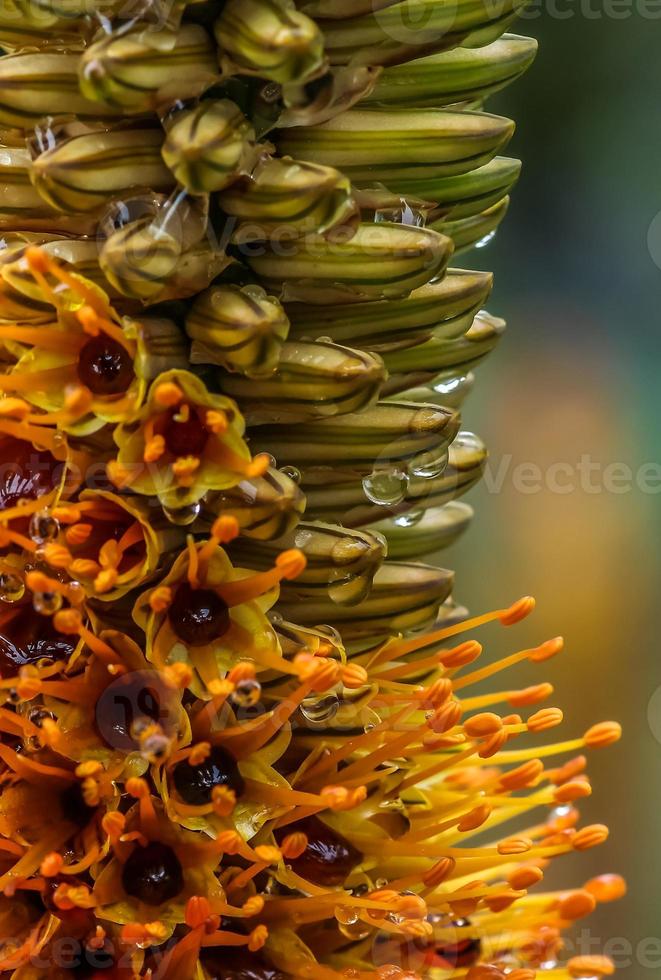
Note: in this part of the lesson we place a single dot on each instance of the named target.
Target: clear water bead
(43, 527)
(385, 487)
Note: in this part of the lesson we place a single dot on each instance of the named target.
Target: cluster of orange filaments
(193, 788)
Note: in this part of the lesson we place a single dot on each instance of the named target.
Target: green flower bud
(314, 380)
(399, 144)
(407, 30)
(341, 563)
(209, 146)
(239, 328)
(149, 259)
(142, 69)
(421, 532)
(268, 38)
(43, 83)
(380, 261)
(338, 494)
(265, 507)
(476, 230)
(461, 75)
(464, 195)
(81, 173)
(431, 356)
(287, 198)
(446, 306)
(391, 435)
(404, 596)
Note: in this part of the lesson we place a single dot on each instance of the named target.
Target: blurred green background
(577, 378)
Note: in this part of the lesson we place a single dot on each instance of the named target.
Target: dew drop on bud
(12, 587)
(247, 693)
(292, 473)
(47, 603)
(385, 487)
(182, 516)
(429, 465)
(410, 519)
(319, 711)
(43, 527)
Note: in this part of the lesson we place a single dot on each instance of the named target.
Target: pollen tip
(68, 621)
(225, 529)
(589, 837)
(37, 259)
(167, 394)
(291, 563)
(517, 611)
(258, 466)
(197, 911)
(603, 734)
(607, 887)
(546, 650)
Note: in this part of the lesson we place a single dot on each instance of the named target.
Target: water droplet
(448, 387)
(485, 241)
(429, 465)
(323, 340)
(409, 520)
(43, 527)
(385, 487)
(302, 538)
(346, 915)
(319, 711)
(155, 748)
(247, 693)
(403, 215)
(12, 587)
(47, 603)
(275, 618)
(182, 516)
(292, 473)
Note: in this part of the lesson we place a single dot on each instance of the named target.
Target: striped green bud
(314, 380)
(410, 29)
(43, 83)
(422, 532)
(265, 507)
(477, 229)
(285, 198)
(268, 38)
(142, 69)
(81, 173)
(461, 75)
(18, 194)
(338, 494)
(240, 328)
(445, 307)
(465, 195)
(209, 146)
(446, 390)
(24, 26)
(399, 144)
(149, 260)
(392, 436)
(429, 357)
(404, 596)
(380, 261)
(340, 563)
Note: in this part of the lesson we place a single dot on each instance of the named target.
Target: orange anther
(486, 723)
(591, 966)
(475, 818)
(603, 734)
(545, 719)
(530, 695)
(291, 563)
(517, 611)
(607, 888)
(546, 650)
(353, 675)
(523, 776)
(167, 394)
(462, 655)
(591, 836)
(577, 905)
(525, 877)
(293, 846)
(439, 872)
(197, 911)
(575, 789)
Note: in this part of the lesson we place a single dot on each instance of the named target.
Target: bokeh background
(577, 377)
